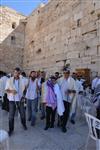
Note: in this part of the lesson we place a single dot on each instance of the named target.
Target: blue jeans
(32, 110)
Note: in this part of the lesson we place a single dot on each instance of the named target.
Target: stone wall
(59, 33)
(12, 27)
(63, 32)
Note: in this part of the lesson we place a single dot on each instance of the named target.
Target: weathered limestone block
(73, 54)
(86, 60)
(98, 50)
(90, 27)
(92, 42)
(91, 52)
(76, 62)
(77, 16)
(97, 4)
(11, 39)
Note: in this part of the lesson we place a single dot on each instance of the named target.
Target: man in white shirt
(25, 78)
(15, 88)
(79, 89)
(5, 103)
(3, 81)
(32, 97)
(68, 90)
(1, 75)
(40, 84)
(95, 83)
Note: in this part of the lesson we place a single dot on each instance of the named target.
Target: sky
(24, 7)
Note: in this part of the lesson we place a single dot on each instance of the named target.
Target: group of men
(49, 94)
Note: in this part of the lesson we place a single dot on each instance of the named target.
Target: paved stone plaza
(35, 138)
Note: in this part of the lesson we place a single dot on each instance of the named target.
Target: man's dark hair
(42, 71)
(53, 77)
(32, 71)
(57, 73)
(23, 74)
(4, 73)
(67, 70)
(17, 69)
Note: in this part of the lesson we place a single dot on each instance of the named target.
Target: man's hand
(70, 92)
(14, 92)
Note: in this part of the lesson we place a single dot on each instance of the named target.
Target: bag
(24, 101)
(5, 103)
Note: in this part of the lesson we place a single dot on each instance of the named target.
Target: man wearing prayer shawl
(53, 102)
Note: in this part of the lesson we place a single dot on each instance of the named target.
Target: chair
(94, 130)
(87, 105)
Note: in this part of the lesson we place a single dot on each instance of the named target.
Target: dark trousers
(98, 117)
(50, 116)
(12, 110)
(98, 113)
(5, 103)
(42, 110)
(65, 117)
(0, 101)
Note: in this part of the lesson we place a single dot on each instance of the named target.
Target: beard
(33, 78)
(16, 77)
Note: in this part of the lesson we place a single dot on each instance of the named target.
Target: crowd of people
(53, 96)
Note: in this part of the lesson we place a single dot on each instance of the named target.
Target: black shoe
(10, 133)
(42, 118)
(51, 126)
(72, 121)
(46, 128)
(64, 130)
(58, 124)
(25, 127)
(29, 119)
(33, 124)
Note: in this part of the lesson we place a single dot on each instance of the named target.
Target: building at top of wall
(11, 38)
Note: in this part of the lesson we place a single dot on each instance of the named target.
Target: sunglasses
(65, 72)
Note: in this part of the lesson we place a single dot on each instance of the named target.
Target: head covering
(66, 69)
(53, 78)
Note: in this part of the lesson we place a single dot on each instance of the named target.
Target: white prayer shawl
(44, 92)
(60, 105)
(95, 82)
(11, 86)
(79, 87)
(25, 80)
(3, 81)
(73, 105)
(70, 85)
(0, 87)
